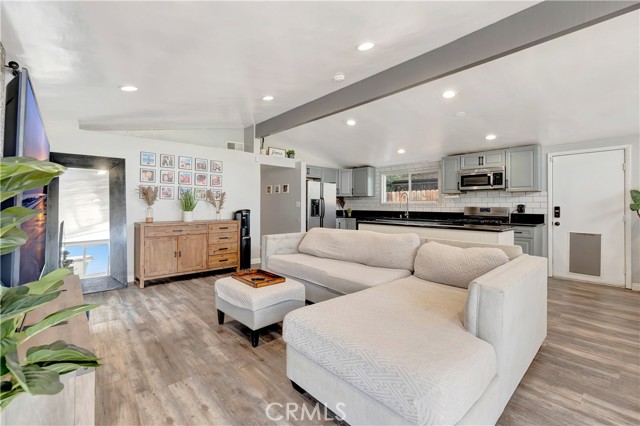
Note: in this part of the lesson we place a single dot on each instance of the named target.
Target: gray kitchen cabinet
(346, 223)
(523, 169)
(329, 175)
(344, 188)
(483, 159)
(314, 172)
(364, 182)
(530, 238)
(450, 178)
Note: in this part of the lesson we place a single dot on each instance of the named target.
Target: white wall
(241, 176)
(213, 138)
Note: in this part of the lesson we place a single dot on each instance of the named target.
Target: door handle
(556, 223)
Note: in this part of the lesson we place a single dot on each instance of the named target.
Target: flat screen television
(25, 136)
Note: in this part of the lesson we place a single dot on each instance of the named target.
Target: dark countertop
(422, 223)
(516, 219)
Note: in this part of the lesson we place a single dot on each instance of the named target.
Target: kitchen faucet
(405, 194)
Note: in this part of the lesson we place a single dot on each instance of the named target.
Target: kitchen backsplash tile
(535, 202)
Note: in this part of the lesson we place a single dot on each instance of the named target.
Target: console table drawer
(223, 227)
(223, 261)
(223, 238)
(166, 231)
(226, 248)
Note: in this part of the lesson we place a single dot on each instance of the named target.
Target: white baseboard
(635, 286)
(259, 261)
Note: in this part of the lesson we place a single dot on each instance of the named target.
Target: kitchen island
(490, 234)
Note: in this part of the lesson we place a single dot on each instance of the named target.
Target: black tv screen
(25, 136)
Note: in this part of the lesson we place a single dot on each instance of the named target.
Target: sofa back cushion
(511, 251)
(396, 251)
(456, 266)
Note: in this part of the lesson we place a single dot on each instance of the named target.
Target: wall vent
(236, 146)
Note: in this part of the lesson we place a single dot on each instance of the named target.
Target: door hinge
(624, 167)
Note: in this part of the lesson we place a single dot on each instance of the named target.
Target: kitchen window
(421, 187)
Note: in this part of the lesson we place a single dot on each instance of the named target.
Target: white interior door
(588, 236)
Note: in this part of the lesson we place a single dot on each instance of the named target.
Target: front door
(587, 219)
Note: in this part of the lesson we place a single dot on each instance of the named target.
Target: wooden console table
(167, 249)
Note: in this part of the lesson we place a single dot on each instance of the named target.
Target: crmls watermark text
(295, 411)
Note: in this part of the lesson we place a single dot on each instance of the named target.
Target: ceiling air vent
(236, 146)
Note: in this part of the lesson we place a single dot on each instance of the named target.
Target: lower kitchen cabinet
(165, 249)
(530, 238)
(346, 223)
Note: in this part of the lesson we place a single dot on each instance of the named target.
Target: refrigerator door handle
(322, 212)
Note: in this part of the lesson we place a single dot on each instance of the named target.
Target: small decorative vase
(218, 216)
(187, 216)
(149, 215)
(263, 151)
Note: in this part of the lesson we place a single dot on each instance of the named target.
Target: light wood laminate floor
(167, 361)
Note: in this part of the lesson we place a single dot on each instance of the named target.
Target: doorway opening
(86, 225)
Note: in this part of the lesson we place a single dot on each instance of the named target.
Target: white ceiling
(581, 87)
(208, 64)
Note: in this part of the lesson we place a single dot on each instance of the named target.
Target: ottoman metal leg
(220, 317)
(255, 337)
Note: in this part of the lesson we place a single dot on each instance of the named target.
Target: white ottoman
(257, 307)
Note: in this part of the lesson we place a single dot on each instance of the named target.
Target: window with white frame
(419, 186)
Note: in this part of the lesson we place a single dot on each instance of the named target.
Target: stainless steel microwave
(482, 179)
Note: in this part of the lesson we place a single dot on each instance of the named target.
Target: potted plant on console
(188, 204)
(38, 371)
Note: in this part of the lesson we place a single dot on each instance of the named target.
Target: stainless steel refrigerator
(321, 205)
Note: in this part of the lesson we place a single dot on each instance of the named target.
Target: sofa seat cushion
(369, 248)
(343, 277)
(446, 264)
(401, 343)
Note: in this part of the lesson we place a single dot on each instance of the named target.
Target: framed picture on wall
(182, 190)
(269, 189)
(285, 188)
(216, 180)
(216, 166)
(184, 178)
(201, 165)
(167, 192)
(276, 189)
(185, 163)
(200, 179)
(167, 176)
(167, 161)
(200, 193)
(147, 159)
(147, 175)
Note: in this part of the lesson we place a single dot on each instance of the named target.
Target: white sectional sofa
(410, 350)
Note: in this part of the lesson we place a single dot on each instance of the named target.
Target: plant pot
(187, 216)
(291, 156)
(149, 215)
(263, 151)
(218, 216)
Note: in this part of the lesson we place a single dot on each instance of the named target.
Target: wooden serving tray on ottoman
(258, 278)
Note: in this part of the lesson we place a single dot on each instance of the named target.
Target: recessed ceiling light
(267, 98)
(401, 151)
(460, 114)
(102, 172)
(490, 137)
(128, 88)
(448, 94)
(351, 122)
(339, 77)
(366, 46)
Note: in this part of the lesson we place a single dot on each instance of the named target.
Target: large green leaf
(635, 196)
(33, 378)
(9, 295)
(19, 174)
(634, 207)
(14, 216)
(53, 319)
(50, 282)
(7, 397)
(59, 351)
(13, 239)
(25, 304)
(68, 367)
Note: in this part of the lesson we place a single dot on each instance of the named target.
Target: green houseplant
(291, 153)
(39, 372)
(188, 204)
(635, 201)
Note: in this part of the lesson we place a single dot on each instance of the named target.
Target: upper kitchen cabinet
(329, 175)
(345, 183)
(314, 172)
(523, 169)
(483, 159)
(450, 179)
(364, 182)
